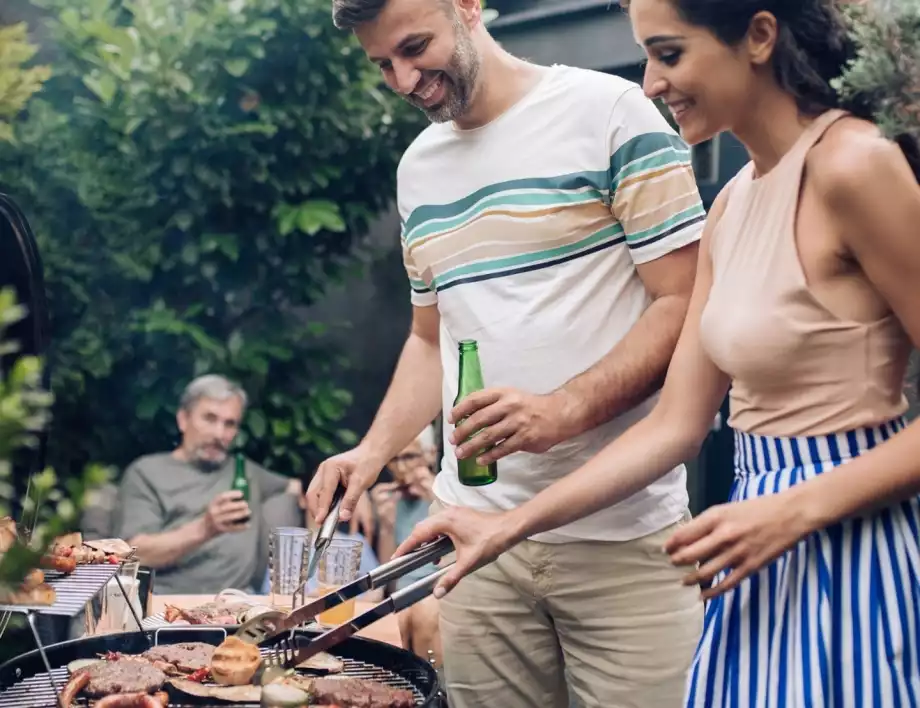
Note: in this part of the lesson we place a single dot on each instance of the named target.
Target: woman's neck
(770, 128)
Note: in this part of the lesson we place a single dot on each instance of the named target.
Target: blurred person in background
(403, 502)
(400, 505)
(177, 508)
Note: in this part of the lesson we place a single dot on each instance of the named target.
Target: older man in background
(177, 507)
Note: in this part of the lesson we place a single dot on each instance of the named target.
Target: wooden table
(384, 630)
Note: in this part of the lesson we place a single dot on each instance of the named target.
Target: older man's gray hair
(211, 386)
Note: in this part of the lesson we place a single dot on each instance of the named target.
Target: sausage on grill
(129, 700)
(76, 684)
(64, 564)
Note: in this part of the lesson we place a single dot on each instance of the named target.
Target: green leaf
(237, 67)
(184, 220)
(319, 214)
(255, 419)
(103, 85)
(147, 408)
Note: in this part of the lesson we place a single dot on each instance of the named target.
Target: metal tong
(290, 651)
(326, 531)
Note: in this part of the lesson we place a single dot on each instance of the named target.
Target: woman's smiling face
(705, 83)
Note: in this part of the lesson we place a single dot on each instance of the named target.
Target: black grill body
(24, 682)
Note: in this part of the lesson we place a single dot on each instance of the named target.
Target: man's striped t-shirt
(526, 234)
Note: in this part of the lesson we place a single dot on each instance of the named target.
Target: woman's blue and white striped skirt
(834, 622)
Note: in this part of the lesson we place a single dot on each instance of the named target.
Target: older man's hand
(509, 420)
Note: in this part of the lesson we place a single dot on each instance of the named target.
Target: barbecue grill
(25, 682)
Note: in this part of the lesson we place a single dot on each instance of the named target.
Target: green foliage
(51, 508)
(886, 71)
(198, 173)
(17, 83)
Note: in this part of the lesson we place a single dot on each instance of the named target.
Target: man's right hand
(225, 512)
(355, 470)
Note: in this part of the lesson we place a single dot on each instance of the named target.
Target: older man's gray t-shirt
(160, 493)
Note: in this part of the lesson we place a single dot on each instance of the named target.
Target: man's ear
(469, 12)
(182, 419)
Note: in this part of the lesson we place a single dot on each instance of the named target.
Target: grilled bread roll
(69, 539)
(235, 662)
(41, 594)
(33, 579)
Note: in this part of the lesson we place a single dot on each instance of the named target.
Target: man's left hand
(509, 421)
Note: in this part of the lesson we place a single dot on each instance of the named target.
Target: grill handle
(417, 591)
(393, 570)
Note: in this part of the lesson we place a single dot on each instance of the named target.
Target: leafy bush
(17, 84)
(50, 509)
(198, 173)
(886, 71)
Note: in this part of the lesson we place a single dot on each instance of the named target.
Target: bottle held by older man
(469, 471)
(241, 481)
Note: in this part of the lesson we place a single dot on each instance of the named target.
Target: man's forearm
(632, 371)
(159, 550)
(412, 400)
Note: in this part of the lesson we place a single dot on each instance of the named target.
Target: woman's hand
(740, 537)
(479, 538)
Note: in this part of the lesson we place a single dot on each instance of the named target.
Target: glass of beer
(338, 567)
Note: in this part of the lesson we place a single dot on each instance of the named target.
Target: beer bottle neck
(470, 372)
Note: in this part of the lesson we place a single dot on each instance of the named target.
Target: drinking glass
(338, 567)
(288, 559)
(108, 612)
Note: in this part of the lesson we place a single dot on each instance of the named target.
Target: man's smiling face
(426, 54)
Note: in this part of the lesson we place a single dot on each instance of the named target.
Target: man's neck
(504, 80)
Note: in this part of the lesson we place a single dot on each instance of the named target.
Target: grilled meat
(185, 658)
(123, 676)
(208, 613)
(360, 693)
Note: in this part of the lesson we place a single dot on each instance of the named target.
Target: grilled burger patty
(188, 656)
(360, 693)
(123, 676)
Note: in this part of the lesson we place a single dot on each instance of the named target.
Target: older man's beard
(459, 81)
(205, 464)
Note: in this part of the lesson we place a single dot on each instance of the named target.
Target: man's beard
(459, 78)
(208, 465)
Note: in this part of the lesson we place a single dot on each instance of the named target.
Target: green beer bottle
(241, 481)
(472, 474)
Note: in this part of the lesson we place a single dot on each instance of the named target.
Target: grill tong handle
(394, 569)
(418, 590)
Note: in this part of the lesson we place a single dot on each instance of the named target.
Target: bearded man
(177, 508)
(551, 214)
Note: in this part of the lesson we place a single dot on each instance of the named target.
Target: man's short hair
(211, 386)
(348, 14)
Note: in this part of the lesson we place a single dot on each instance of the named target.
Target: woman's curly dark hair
(861, 56)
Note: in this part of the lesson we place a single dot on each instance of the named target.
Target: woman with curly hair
(806, 307)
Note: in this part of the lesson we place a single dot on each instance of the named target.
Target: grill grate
(37, 691)
(73, 591)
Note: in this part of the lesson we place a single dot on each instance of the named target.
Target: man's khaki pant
(608, 620)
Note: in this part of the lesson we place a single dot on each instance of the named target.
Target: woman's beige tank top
(796, 368)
